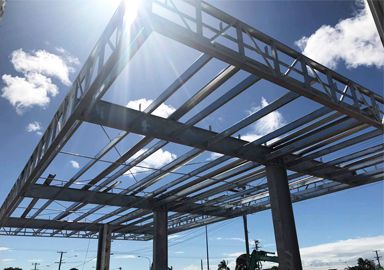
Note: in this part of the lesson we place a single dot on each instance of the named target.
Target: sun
(131, 10)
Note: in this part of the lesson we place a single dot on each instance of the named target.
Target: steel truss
(314, 147)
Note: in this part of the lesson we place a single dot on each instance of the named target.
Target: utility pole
(245, 222)
(201, 264)
(61, 258)
(35, 264)
(206, 244)
(378, 258)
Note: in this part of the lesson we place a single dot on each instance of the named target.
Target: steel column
(104, 248)
(160, 239)
(283, 218)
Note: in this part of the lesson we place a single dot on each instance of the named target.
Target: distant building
(2, 7)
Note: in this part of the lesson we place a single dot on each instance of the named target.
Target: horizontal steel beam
(98, 72)
(153, 126)
(269, 66)
(113, 199)
(62, 225)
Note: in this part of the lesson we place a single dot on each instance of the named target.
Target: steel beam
(97, 74)
(283, 218)
(113, 199)
(326, 95)
(63, 225)
(160, 240)
(104, 248)
(168, 130)
(377, 10)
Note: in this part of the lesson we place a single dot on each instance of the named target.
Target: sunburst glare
(131, 10)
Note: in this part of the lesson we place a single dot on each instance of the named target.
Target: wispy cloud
(156, 160)
(163, 110)
(74, 164)
(234, 254)
(34, 127)
(341, 253)
(354, 40)
(214, 156)
(35, 86)
(191, 267)
(338, 255)
(127, 256)
(4, 248)
(265, 125)
(231, 239)
(5, 260)
(35, 260)
(173, 236)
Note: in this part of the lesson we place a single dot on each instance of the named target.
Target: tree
(73, 269)
(13, 268)
(223, 265)
(363, 264)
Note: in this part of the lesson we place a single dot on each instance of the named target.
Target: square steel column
(283, 218)
(104, 248)
(160, 240)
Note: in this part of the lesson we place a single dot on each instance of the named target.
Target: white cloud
(191, 267)
(34, 127)
(74, 164)
(173, 236)
(128, 256)
(35, 87)
(265, 125)
(35, 260)
(4, 248)
(42, 62)
(231, 239)
(26, 92)
(341, 253)
(156, 160)
(70, 59)
(6, 260)
(179, 252)
(354, 41)
(338, 255)
(234, 254)
(163, 110)
(214, 156)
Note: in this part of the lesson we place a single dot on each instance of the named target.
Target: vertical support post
(332, 86)
(104, 248)
(160, 240)
(206, 245)
(240, 40)
(245, 222)
(283, 218)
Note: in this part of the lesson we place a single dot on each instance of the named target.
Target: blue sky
(64, 32)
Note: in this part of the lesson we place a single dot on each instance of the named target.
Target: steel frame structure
(313, 148)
